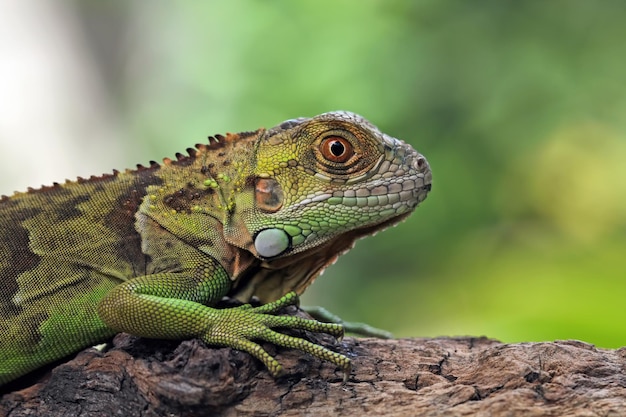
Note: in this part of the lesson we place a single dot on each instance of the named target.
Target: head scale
(321, 183)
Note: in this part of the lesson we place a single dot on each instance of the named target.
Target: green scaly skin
(150, 251)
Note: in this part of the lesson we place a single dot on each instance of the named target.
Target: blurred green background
(519, 106)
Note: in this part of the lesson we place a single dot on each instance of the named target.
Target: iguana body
(148, 252)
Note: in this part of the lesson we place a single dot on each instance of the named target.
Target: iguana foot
(237, 328)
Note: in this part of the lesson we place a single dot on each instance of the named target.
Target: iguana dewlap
(149, 251)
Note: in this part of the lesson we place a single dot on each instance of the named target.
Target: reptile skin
(151, 251)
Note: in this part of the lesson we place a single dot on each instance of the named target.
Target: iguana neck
(196, 199)
(206, 180)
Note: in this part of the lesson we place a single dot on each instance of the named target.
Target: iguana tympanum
(150, 251)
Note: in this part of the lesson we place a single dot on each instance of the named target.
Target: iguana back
(63, 248)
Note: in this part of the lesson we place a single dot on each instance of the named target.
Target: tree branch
(426, 377)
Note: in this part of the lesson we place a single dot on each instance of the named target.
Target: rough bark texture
(426, 377)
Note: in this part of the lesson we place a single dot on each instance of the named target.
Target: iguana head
(319, 184)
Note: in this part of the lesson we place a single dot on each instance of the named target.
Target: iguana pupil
(337, 148)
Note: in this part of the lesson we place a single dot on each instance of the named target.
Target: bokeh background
(520, 107)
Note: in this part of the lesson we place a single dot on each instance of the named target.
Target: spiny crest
(214, 142)
(57, 185)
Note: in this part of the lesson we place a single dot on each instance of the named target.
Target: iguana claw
(237, 328)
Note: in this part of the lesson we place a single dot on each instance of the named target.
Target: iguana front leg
(174, 306)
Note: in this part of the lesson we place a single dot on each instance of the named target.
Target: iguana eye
(336, 149)
(340, 151)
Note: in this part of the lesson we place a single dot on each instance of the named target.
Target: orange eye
(336, 149)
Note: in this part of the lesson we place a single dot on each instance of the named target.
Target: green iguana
(150, 251)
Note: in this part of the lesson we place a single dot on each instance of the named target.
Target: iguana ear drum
(268, 195)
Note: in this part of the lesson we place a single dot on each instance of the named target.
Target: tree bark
(425, 377)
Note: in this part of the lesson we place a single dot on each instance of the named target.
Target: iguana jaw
(297, 272)
(270, 279)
